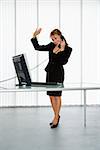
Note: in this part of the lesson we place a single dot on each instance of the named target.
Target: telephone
(62, 40)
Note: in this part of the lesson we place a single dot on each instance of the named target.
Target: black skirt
(55, 73)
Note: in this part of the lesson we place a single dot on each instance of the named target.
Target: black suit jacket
(54, 59)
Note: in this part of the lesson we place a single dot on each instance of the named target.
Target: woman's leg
(56, 105)
(53, 103)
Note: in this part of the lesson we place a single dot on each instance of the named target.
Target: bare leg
(56, 105)
(53, 103)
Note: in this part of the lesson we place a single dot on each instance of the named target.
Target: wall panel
(7, 49)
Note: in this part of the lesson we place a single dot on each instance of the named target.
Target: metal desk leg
(84, 107)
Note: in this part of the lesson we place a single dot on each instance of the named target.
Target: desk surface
(37, 88)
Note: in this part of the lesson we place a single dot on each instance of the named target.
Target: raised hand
(37, 31)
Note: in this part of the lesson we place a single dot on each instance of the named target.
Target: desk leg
(85, 108)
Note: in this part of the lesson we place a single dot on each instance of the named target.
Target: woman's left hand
(56, 50)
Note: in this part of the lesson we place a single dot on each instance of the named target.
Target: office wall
(91, 47)
(79, 23)
(7, 49)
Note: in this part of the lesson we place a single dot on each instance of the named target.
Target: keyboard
(43, 83)
(48, 84)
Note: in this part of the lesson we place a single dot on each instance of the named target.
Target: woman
(59, 52)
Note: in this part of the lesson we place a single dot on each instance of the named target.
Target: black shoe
(51, 123)
(55, 125)
(59, 118)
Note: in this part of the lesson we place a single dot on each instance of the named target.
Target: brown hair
(55, 31)
(58, 32)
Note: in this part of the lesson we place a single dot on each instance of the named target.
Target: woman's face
(56, 39)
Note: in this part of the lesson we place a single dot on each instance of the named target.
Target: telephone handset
(62, 40)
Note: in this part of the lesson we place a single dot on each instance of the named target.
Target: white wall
(7, 48)
(91, 47)
(79, 23)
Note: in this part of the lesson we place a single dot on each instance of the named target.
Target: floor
(28, 129)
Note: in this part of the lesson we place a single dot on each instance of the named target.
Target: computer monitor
(23, 73)
(22, 70)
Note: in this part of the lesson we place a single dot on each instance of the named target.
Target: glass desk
(66, 87)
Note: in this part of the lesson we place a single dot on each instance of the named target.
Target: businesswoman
(59, 52)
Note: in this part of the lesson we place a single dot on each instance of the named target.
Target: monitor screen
(22, 70)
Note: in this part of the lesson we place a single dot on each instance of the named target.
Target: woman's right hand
(37, 31)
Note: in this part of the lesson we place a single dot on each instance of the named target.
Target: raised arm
(36, 44)
(40, 47)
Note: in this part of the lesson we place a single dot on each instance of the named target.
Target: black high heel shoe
(55, 125)
(51, 123)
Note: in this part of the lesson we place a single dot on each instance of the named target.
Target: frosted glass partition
(26, 22)
(7, 48)
(91, 38)
(79, 21)
(91, 47)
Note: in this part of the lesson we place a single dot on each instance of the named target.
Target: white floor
(28, 129)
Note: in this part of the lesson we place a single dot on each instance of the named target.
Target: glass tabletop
(58, 87)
